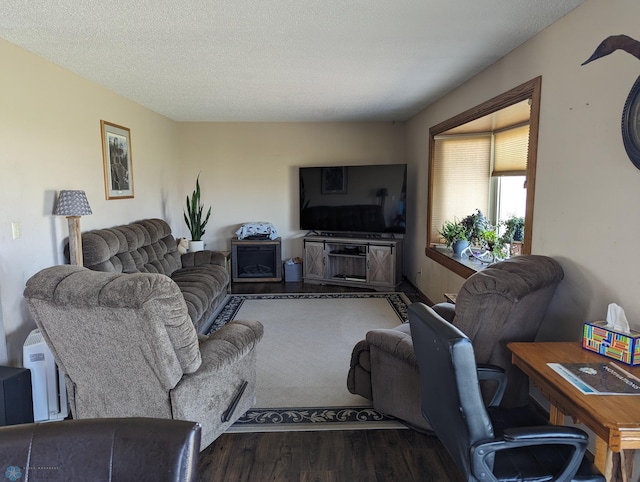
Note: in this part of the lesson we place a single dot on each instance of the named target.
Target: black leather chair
(487, 443)
(106, 449)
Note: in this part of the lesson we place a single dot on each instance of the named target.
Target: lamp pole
(75, 240)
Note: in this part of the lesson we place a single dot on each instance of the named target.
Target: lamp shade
(72, 203)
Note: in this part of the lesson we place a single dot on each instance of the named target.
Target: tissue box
(619, 346)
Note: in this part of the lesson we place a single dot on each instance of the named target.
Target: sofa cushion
(146, 246)
(99, 249)
(160, 248)
(199, 286)
(181, 331)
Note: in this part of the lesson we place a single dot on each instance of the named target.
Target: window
(485, 171)
(511, 197)
(484, 159)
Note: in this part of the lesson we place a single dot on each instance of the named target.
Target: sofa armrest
(359, 376)
(200, 258)
(231, 342)
(360, 355)
(396, 342)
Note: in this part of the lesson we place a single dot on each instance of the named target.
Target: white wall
(587, 203)
(50, 140)
(249, 171)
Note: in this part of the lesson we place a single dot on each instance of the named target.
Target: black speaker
(16, 401)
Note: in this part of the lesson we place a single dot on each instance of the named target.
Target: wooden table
(615, 419)
(451, 297)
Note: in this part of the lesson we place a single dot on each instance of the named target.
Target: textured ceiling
(280, 60)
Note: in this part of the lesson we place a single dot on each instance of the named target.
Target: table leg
(556, 416)
(627, 458)
(603, 458)
(615, 466)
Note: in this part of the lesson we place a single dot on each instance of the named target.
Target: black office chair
(109, 449)
(487, 443)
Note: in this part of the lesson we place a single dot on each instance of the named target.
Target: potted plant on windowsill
(194, 219)
(455, 234)
(514, 233)
(475, 224)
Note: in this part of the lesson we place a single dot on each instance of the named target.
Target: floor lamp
(73, 204)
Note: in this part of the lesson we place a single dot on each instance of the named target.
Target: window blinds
(460, 179)
(511, 152)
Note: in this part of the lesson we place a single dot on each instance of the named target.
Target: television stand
(360, 262)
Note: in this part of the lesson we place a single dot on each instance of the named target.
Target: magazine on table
(599, 378)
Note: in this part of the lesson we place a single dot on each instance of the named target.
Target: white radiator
(47, 381)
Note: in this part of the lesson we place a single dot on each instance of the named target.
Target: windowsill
(462, 266)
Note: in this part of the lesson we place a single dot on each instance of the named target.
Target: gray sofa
(505, 302)
(147, 246)
(129, 349)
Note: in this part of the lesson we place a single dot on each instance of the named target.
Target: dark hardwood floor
(328, 456)
(402, 455)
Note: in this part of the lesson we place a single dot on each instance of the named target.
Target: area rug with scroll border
(312, 418)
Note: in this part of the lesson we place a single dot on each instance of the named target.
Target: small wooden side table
(615, 419)
(451, 297)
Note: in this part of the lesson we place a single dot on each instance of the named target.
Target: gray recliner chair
(129, 349)
(505, 302)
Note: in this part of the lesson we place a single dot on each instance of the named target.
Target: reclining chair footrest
(226, 416)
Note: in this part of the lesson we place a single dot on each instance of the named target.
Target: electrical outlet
(418, 275)
(15, 230)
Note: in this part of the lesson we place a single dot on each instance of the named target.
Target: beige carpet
(304, 356)
(303, 359)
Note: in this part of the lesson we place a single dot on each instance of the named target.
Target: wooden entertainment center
(369, 262)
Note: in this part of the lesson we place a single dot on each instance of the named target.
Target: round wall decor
(631, 124)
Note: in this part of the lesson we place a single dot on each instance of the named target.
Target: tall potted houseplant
(194, 219)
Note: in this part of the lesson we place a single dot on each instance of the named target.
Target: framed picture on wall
(118, 165)
(334, 180)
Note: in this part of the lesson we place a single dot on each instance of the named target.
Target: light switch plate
(15, 230)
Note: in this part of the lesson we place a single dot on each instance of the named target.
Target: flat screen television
(359, 200)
